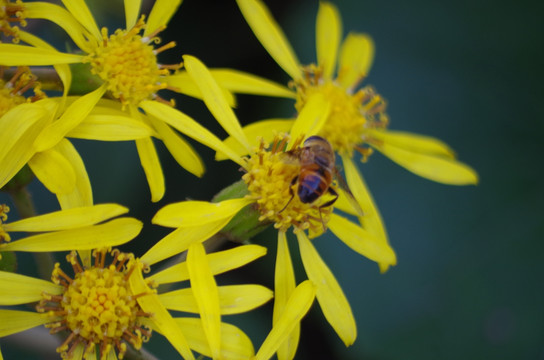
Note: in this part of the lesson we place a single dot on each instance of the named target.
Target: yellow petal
(220, 262)
(19, 127)
(311, 118)
(329, 294)
(132, 10)
(54, 171)
(188, 126)
(13, 321)
(15, 55)
(298, 305)
(233, 299)
(15, 123)
(81, 12)
(72, 116)
(206, 294)
(180, 149)
(67, 219)
(356, 56)
(270, 35)
(244, 83)
(360, 240)
(372, 220)
(82, 194)
(162, 319)
(160, 15)
(413, 142)
(110, 356)
(198, 213)
(180, 239)
(63, 70)
(110, 128)
(328, 34)
(19, 289)
(182, 83)
(112, 233)
(152, 167)
(265, 129)
(437, 168)
(214, 99)
(235, 344)
(284, 285)
(345, 204)
(61, 17)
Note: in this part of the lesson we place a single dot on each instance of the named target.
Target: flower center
(4, 236)
(350, 115)
(11, 91)
(128, 64)
(11, 13)
(97, 307)
(272, 178)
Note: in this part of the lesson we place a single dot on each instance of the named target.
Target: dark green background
(469, 279)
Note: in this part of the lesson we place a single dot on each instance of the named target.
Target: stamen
(271, 173)
(128, 64)
(97, 306)
(170, 45)
(351, 115)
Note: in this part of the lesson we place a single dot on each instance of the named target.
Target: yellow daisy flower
(269, 178)
(83, 304)
(126, 61)
(356, 119)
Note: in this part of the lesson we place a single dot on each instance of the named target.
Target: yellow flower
(269, 180)
(356, 119)
(60, 168)
(105, 305)
(126, 62)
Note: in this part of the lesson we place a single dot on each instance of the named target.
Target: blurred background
(470, 277)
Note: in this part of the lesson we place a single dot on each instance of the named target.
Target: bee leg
(293, 182)
(328, 203)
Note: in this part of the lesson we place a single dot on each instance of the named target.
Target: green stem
(25, 207)
(244, 225)
(23, 202)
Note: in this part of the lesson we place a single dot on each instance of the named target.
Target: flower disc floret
(12, 91)
(128, 64)
(270, 177)
(11, 13)
(4, 236)
(97, 306)
(350, 115)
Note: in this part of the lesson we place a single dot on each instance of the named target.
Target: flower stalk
(245, 224)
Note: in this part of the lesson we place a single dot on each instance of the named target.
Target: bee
(317, 172)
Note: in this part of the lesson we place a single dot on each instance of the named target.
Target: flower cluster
(108, 303)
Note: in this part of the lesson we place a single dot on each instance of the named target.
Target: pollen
(4, 236)
(13, 91)
(271, 179)
(96, 308)
(351, 115)
(127, 63)
(11, 13)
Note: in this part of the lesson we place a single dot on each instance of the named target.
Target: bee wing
(343, 185)
(291, 157)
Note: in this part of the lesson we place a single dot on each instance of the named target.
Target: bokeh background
(470, 277)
